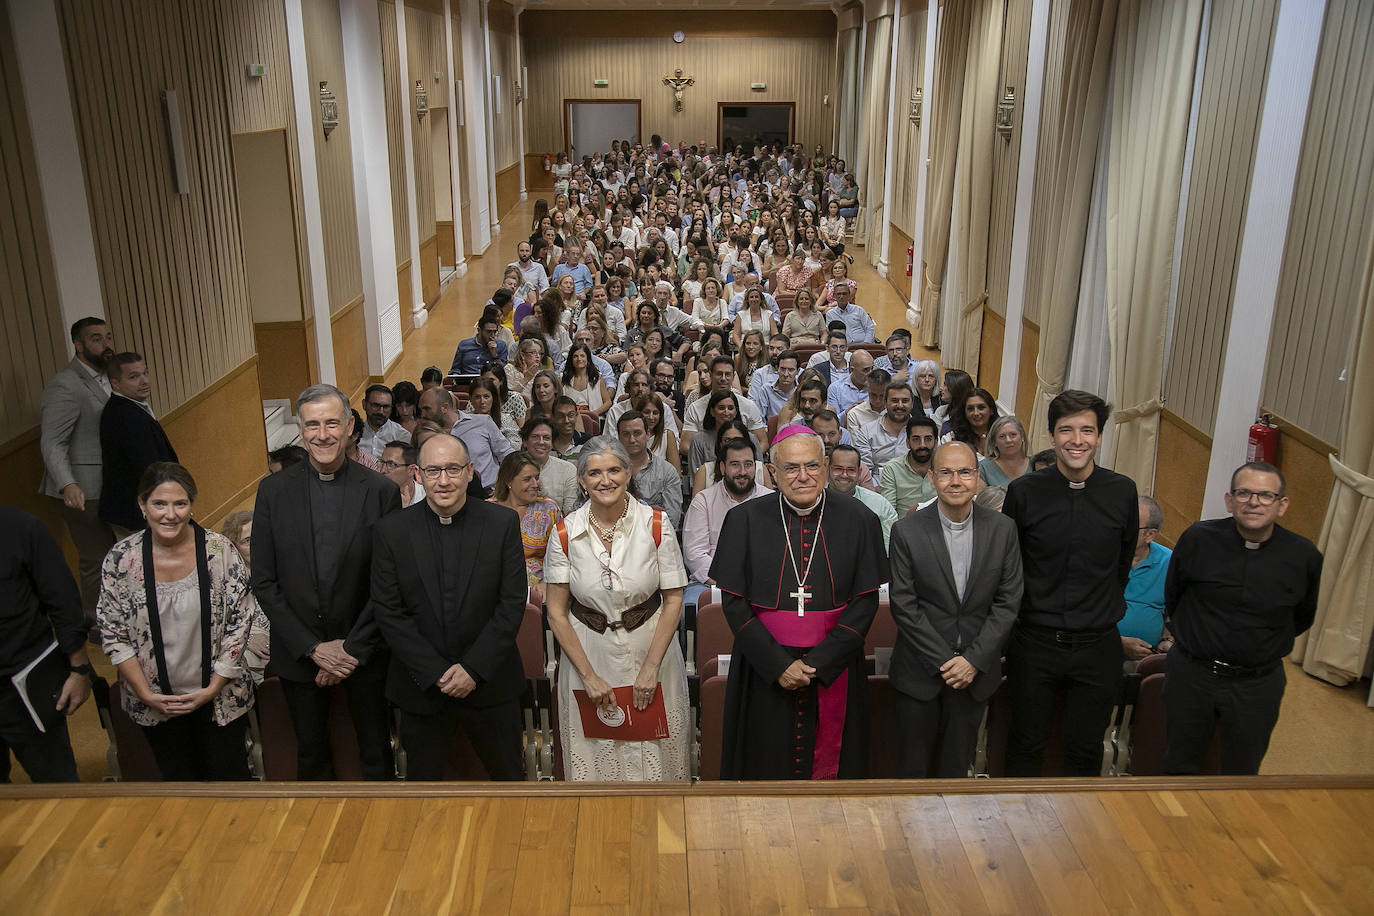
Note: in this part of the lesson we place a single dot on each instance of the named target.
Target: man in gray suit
(70, 443)
(956, 589)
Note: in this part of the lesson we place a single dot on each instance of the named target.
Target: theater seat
(883, 632)
(805, 351)
(279, 735)
(591, 423)
(875, 349)
(134, 755)
(712, 725)
(1149, 734)
(882, 727)
(713, 635)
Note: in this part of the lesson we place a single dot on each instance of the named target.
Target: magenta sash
(808, 630)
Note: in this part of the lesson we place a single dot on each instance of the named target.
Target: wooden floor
(1201, 846)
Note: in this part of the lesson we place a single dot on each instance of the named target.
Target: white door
(593, 125)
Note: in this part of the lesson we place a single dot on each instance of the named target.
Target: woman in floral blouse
(175, 613)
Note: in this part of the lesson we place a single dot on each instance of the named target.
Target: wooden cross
(801, 594)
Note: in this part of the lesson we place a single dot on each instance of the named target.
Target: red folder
(623, 722)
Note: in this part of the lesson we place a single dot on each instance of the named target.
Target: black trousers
(494, 731)
(1090, 676)
(949, 720)
(93, 539)
(309, 706)
(1198, 702)
(45, 756)
(192, 747)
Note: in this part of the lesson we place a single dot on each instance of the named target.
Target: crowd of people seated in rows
(675, 388)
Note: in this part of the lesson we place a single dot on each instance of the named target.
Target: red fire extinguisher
(910, 259)
(548, 163)
(1263, 444)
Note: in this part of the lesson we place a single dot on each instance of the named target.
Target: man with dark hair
(568, 437)
(397, 462)
(884, 439)
(810, 399)
(70, 445)
(379, 428)
(312, 557)
(664, 379)
(906, 482)
(1042, 459)
(659, 483)
(722, 380)
(736, 482)
(1239, 591)
(956, 587)
(833, 361)
(767, 374)
(448, 588)
(1077, 524)
(431, 378)
(845, 465)
(770, 396)
(279, 459)
(131, 438)
(861, 413)
(485, 443)
(485, 345)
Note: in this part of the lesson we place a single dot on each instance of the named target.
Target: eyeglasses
(386, 465)
(451, 471)
(791, 471)
(947, 474)
(1264, 497)
(607, 574)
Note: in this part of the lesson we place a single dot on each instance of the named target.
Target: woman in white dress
(614, 596)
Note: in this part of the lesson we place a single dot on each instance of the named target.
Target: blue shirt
(472, 355)
(857, 323)
(844, 394)
(582, 277)
(1145, 596)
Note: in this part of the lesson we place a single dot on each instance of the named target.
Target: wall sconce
(1005, 109)
(917, 103)
(758, 87)
(519, 94)
(421, 100)
(329, 109)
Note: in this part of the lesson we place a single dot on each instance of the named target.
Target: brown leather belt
(632, 619)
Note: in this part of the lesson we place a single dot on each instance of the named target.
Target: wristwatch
(87, 670)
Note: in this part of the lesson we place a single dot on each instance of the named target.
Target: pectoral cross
(801, 594)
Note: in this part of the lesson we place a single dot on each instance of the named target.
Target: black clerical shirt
(1077, 542)
(40, 595)
(448, 541)
(1242, 605)
(326, 523)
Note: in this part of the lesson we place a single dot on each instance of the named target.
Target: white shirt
(373, 441)
(558, 481)
(696, 412)
(877, 446)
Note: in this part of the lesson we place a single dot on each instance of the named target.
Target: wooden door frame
(567, 118)
(720, 118)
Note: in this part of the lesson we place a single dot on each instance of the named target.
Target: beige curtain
(1152, 91)
(977, 137)
(945, 104)
(1076, 78)
(1337, 646)
(872, 164)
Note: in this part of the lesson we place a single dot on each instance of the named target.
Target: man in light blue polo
(582, 276)
(1142, 629)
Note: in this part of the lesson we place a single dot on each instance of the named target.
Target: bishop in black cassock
(814, 603)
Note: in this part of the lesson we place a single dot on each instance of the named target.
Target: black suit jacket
(284, 567)
(931, 619)
(424, 636)
(130, 440)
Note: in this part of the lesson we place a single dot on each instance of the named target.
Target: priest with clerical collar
(799, 575)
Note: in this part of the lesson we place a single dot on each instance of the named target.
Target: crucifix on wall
(678, 82)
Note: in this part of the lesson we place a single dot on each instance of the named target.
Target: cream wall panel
(505, 139)
(35, 343)
(395, 139)
(171, 267)
(907, 140)
(324, 56)
(1329, 233)
(795, 68)
(254, 32)
(1006, 155)
(420, 27)
(1239, 39)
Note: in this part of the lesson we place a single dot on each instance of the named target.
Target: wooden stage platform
(1254, 845)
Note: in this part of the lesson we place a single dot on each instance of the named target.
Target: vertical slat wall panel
(797, 69)
(907, 141)
(1239, 39)
(1051, 115)
(35, 343)
(419, 26)
(395, 139)
(1006, 155)
(1329, 232)
(333, 156)
(254, 32)
(170, 265)
(505, 141)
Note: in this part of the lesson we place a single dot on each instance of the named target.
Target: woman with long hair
(713, 311)
(531, 354)
(753, 354)
(971, 420)
(691, 286)
(662, 438)
(646, 319)
(804, 323)
(833, 228)
(549, 311)
(753, 315)
(583, 383)
(721, 408)
(1008, 454)
(958, 385)
(544, 390)
(926, 384)
(731, 431)
(484, 398)
(839, 273)
(792, 276)
(405, 405)
(517, 488)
